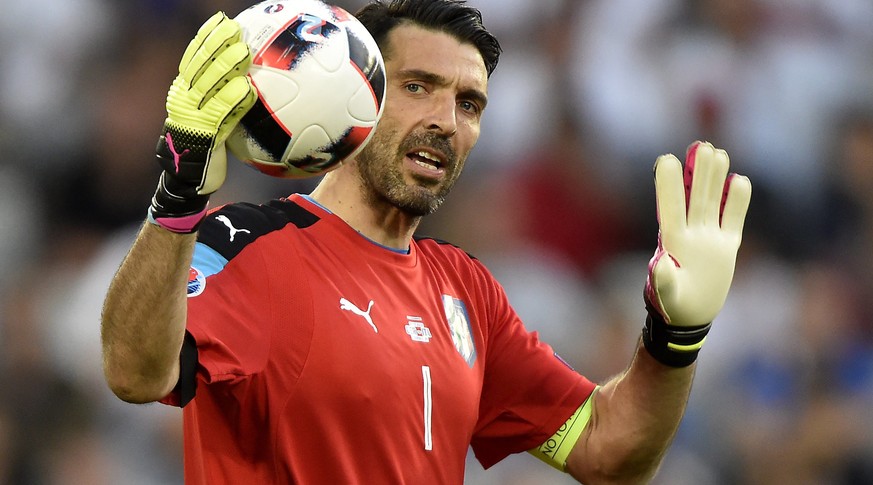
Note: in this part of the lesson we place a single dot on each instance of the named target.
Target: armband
(555, 450)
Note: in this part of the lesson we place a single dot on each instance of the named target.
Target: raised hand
(701, 212)
(205, 102)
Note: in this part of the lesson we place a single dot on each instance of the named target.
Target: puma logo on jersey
(349, 306)
(224, 220)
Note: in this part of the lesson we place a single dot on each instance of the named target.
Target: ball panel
(365, 55)
(352, 143)
(275, 87)
(363, 105)
(257, 137)
(304, 35)
(301, 146)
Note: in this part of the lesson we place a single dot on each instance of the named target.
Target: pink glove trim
(181, 225)
(650, 295)
(690, 160)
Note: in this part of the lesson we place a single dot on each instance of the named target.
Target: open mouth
(426, 160)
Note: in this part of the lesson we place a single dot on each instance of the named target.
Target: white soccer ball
(320, 79)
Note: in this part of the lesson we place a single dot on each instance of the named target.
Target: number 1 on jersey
(428, 440)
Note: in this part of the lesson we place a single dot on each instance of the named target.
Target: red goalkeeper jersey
(315, 355)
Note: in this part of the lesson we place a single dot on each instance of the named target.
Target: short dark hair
(453, 17)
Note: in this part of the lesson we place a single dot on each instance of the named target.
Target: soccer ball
(320, 79)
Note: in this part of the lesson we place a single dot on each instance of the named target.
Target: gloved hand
(205, 102)
(701, 218)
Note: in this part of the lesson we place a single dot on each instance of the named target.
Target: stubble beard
(381, 174)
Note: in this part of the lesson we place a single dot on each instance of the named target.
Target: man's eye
(414, 88)
(469, 106)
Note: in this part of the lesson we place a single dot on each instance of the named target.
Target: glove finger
(669, 193)
(719, 181)
(233, 62)
(706, 169)
(231, 103)
(224, 35)
(195, 44)
(736, 203)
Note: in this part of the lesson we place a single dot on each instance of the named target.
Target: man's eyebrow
(432, 78)
(476, 96)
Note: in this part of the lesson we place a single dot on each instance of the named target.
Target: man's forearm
(144, 314)
(634, 420)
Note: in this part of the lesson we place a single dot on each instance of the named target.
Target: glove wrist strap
(179, 225)
(673, 345)
(175, 213)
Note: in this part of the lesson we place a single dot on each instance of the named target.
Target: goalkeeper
(315, 339)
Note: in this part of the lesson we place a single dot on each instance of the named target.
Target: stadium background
(557, 200)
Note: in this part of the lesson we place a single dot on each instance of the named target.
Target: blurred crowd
(557, 200)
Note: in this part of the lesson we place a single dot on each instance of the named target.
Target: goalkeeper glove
(205, 102)
(701, 217)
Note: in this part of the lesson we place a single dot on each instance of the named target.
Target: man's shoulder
(231, 227)
(447, 254)
(433, 245)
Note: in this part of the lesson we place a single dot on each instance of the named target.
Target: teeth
(428, 156)
(425, 165)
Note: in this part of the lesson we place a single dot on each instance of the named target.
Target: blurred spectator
(567, 202)
(522, 106)
(50, 54)
(22, 226)
(760, 78)
(846, 235)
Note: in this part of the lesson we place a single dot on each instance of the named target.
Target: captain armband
(555, 450)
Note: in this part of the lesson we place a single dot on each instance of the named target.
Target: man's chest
(396, 347)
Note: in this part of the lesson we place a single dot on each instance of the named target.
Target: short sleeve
(528, 390)
(228, 323)
(230, 319)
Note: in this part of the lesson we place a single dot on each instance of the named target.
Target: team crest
(196, 282)
(459, 325)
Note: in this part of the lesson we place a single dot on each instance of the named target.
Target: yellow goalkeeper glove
(205, 102)
(701, 217)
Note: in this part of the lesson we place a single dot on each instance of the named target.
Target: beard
(380, 172)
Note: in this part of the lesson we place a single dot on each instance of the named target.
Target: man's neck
(342, 193)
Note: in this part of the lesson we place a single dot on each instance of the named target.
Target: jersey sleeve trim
(207, 260)
(231, 228)
(186, 387)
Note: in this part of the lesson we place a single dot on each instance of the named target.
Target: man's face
(435, 97)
